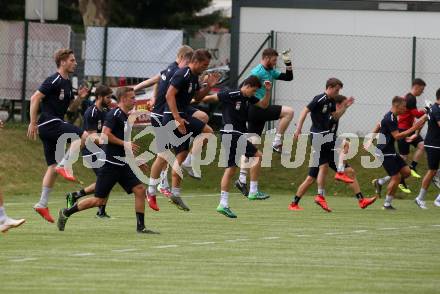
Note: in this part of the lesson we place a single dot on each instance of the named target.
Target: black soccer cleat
(242, 187)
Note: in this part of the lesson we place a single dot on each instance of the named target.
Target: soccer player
(259, 116)
(114, 169)
(432, 148)
(94, 118)
(338, 163)
(6, 222)
(324, 115)
(162, 140)
(405, 121)
(235, 115)
(55, 96)
(393, 163)
(184, 86)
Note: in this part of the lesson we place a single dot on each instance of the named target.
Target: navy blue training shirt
(58, 94)
(93, 121)
(187, 85)
(432, 138)
(164, 82)
(387, 126)
(321, 108)
(116, 120)
(235, 109)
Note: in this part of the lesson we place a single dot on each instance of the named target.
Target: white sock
(341, 168)
(188, 160)
(175, 191)
(388, 200)
(383, 180)
(253, 187)
(277, 140)
(3, 215)
(243, 176)
(152, 186)
(164, 179)
(422, 194)
(44, 198)
(321, 192)
(224, 199)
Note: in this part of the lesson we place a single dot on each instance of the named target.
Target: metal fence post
(413, 66)
(272, 100)
(104, 56)
(23, 85)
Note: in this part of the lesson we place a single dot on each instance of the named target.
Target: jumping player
(258, 116)
(432, 148)
(393, 163)
(55, 96)
(94, 118)
(114, 169)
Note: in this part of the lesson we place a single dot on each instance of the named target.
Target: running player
(338, 163)
(235, 115)
(393, 163)
(184, 86)
(160, 164)
(114, 170)
(258, 116)
(405, 122)
(432, 148)
(6, 222)
(94, 118)
(55, 96)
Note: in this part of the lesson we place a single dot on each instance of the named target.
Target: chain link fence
(373, 70)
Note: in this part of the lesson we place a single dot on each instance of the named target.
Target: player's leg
(397, 168)
(420, 148)
(176, 180)
(433, 158)
(302, 189)
(363, 202)
(139, 206)
(41, 207)
(225, 184)
(254, 171)
(6, 222)
(404, 148)
(196, 148)
(155, 173)
(391, 191)
(285, 117)
(321, 179)
(203, 117)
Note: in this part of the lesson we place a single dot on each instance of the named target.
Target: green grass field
(267, 249)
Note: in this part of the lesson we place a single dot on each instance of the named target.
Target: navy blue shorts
(91, 158)
(393, 164)
(234, 154)
(194, 126)
(50, 133)
(110, 174)
(257, 117)
(404, 146)
(433, 156)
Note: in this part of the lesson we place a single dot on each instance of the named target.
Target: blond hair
(62, 55)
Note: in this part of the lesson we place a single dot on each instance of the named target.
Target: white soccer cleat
(437, 202)
(436, 180)
(191, 172)
(420, 203)
(10, 223)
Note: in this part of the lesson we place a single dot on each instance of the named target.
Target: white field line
(166, 246)
(24, 259)
(82, 254)
(124, 250)
(203, 243)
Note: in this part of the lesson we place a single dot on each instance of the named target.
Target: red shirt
(406, 120)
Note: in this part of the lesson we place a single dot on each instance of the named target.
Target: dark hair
(103, 91)
(269, 52)
(252, 81)
(418, 82)
(61, 55)
(397, 100)
(340, 98)
(333, 82)
(122, 91)
(437, 94)
(201, 55)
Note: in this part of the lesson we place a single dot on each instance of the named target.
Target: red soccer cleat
(365, 202)
(320, 200)
(62, 171)
(343, 178)
(295, 206)
(152, 202)
(44, 212)
(165, 191)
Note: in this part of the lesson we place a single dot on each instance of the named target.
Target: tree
(95, 12)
